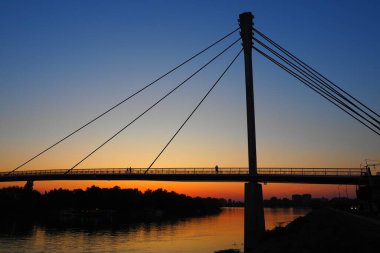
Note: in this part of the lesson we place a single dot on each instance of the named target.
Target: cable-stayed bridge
(250, 39)
(350, 176)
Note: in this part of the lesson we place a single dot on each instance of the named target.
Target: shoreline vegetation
(130, 204)
(303, 201)
(160, 203)
(96, 209)
(96, 200)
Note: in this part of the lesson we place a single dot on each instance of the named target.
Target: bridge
(252, 176)
(349, 176)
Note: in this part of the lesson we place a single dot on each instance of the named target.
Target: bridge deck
(352, 176)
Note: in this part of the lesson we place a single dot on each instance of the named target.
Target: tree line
(27, 200)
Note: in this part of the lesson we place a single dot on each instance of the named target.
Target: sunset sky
(64, 62)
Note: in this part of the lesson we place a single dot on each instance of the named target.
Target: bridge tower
(254, 223)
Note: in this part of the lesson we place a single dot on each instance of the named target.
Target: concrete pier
(254, 223)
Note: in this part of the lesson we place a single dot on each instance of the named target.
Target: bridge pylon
(254, 223)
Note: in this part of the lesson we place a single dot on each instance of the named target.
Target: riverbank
(95, 201)
(324, 230)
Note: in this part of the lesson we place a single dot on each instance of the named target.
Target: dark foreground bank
(324, 230)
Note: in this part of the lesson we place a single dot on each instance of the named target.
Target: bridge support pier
(254, 222)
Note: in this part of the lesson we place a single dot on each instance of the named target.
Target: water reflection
(202, 234)
(280, 217)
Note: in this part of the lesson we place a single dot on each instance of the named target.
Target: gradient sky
(64, 62)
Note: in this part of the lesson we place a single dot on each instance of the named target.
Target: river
(192, 235)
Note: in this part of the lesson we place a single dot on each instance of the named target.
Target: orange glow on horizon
(233, 191)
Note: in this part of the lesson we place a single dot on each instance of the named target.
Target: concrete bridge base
(254, 222)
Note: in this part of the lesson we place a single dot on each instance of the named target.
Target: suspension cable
(191, 114)
(126, 99)
(319, 80)
(157, 102)
(306, 66)
(310, 86)
(319, 87)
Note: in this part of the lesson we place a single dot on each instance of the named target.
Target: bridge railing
(196, 171)
(155, 171)
(313, 171)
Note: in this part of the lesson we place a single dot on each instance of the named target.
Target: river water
(192, 235)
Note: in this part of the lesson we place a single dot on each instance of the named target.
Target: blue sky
(64, 62)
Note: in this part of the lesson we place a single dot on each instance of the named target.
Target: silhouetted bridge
(254, 216)
(353, 176)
